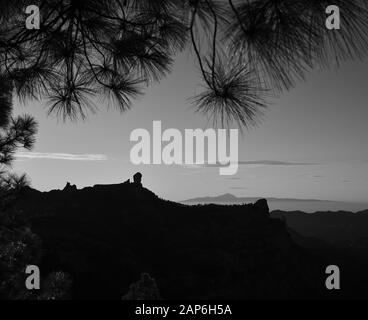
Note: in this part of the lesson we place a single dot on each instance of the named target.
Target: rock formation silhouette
(137, 179)
(261, 206)
(70, 187)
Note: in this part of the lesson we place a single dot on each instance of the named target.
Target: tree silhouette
(113, 48)
(15, 132)
(144, 289)
(18, 245)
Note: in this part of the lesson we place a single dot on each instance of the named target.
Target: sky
(311, 144)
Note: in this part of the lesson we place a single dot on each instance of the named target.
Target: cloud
(277, 163)
(61, 156)
(265, 163)
(251, 164)
(193, 166)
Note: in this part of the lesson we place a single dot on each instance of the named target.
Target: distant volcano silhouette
(285, 204)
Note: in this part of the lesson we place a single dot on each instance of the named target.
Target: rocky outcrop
(70, 187)
(137, 179)
(261, 207)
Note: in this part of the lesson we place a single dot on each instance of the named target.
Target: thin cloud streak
(61, 156)
(265, 163)
(256, 163)
(277, 163)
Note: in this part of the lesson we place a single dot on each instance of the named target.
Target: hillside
(345, 231)
(107, 235)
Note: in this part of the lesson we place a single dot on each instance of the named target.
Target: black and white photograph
(197, 151)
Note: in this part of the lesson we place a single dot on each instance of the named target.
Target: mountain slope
(346, 231)
(106, 236)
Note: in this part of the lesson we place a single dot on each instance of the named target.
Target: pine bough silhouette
(112, 48)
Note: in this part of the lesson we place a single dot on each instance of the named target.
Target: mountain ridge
(284, 204)
(231, 196)
(105, 236)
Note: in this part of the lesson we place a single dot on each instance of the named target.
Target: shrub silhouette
(144, 289)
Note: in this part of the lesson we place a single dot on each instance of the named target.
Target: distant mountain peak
(228, 196)
(284, 204)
